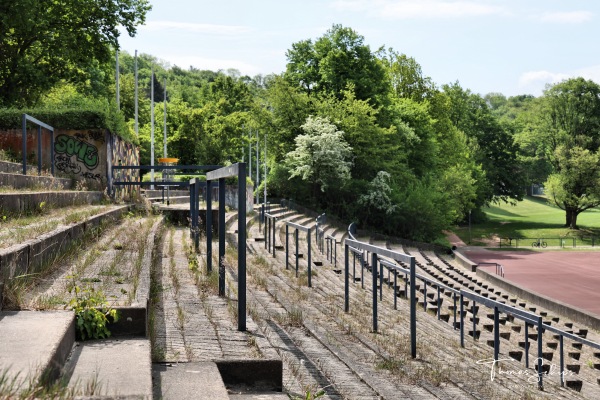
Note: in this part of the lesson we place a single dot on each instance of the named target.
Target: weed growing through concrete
(92, 311)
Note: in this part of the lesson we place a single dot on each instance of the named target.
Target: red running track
(571, 277)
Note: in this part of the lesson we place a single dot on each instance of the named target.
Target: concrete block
(133, 321)
(263, 373)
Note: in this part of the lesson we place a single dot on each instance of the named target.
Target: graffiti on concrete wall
(124, 153)
(84, 152)
(64, 164)
(93, 135)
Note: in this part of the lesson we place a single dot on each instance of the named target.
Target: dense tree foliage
(571, 124)
(335, 61)
(44, 42)
(362, 134)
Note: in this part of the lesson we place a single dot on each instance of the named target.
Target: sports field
(534, 217)
(569, 276)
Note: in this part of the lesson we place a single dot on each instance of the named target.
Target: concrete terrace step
(20, 181)
(35, 343)
(31, 201)
(16, 168)
(35, 255)
(116, 367)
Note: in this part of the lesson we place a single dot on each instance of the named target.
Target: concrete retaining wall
(27, 202)
(465, 262)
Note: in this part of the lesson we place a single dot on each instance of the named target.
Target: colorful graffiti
(124, 153)
(72, 146)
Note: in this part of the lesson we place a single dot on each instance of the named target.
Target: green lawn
(532, 218)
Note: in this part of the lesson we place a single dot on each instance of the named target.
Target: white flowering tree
(322, 157)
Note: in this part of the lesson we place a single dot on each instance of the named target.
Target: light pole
(469, 226)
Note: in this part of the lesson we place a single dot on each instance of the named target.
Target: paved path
(571, 277)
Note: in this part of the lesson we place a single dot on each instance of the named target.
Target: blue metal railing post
(296, 241)
(287, 246)
(413, 309)
(346, 285)
(222, 237)
(454, 310)
(439, 304)
(380, 282)
(209, 226)
(309, 259)
(462, 321)
(474, 313)
(39, 138)
(374, 289)
(197, 211)
(24, 149)
(496, 333)
(395, 290)
(539, 360)
(274, 233)
(526, 345)
(241, 246)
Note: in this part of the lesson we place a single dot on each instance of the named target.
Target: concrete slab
(201, 381)
(35, 343)
(118, 367)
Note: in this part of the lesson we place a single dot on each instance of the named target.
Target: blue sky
(513, 47)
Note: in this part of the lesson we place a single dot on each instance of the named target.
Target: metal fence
(499, 267)
(555, 242)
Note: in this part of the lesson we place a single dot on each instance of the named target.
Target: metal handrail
(527, 317)
(297, 228)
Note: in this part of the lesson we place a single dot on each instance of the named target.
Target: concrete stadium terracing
(178, 339)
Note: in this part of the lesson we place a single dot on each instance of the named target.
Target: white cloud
(407, 9)
(196, 28)
(534, 78)
(592, 72)
(536, 81)
(568, 17)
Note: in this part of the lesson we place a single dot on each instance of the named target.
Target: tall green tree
(571, 126)
(44, 42)
(335, 61)
(406, 76)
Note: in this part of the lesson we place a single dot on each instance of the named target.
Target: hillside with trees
(356, 132)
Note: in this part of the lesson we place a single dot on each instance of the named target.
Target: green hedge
(97, 116)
